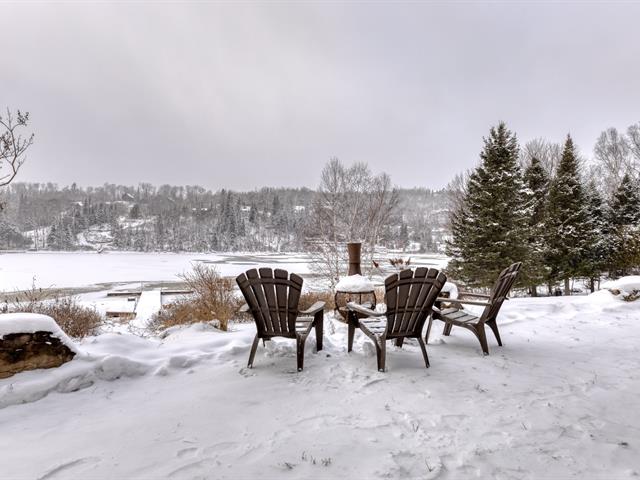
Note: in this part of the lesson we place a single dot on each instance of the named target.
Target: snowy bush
(214, 299)
(74, 319)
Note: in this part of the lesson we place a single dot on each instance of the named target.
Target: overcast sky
(262, 94)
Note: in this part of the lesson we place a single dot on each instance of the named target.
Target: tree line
(191, 218)
(563, 217)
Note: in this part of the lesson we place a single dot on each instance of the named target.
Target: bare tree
(548, 153)
(633, 140)
(613, 158)
(351, 205)
(457, 189)
(12, 145)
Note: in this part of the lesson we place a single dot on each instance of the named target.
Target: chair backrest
(409, 297)
(273, 297)
(500, 291)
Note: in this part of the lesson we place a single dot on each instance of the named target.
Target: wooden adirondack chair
(272, 297)
(409, 298)
(455, 315)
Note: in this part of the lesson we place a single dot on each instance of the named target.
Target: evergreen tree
(597, 237)
(537, 181)
(625, 205)
(253, 214)
(275, 205)
(134, 213)
(52, 238)
(403, 238)
(624, 216)
(489, 227)
(566, 225)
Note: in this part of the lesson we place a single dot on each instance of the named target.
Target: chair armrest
(313, 309)
(355, 307)
(244, 308)
(466, 302)
(471, 294)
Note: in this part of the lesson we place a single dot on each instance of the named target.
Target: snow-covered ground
(559, 400)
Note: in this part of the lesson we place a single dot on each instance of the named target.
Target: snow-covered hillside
(557, 401)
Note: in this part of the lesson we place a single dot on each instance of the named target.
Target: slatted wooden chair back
(409, 298)
(500, 291)
(272, 297)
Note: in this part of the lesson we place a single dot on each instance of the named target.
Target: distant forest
(191, 218)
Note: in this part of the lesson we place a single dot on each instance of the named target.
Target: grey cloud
(252, 94)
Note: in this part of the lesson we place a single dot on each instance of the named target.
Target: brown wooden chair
(272, 298)
(409, 298)
(454, 314)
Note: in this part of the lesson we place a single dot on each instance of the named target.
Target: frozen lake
(82, 269)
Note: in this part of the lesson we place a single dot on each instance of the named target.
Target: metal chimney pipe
(354, 249)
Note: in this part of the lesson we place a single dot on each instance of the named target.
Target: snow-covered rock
(30, 341)
(11, 323)
(626, 288)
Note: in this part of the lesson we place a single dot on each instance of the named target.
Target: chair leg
(381, 351)
(352, 331)
(424, 351)
(494, 328)
(252, 354)
(447, 329)
(483, 339)
(319, 321)
(426, 337)
(399, 342)
(300, 341)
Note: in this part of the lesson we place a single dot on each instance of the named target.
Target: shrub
(309, 298)
(74, 319)
(213, 299)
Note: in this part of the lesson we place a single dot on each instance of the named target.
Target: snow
(148, 305)
(81, 269)
(556, 401)
(354, 284)
(31, 323)
(625, 285)
(451, 289)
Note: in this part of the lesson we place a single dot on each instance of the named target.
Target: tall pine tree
(597, 236)
(489, 227)
(625, 221)
(625, 205)
(566, 224)
(537, 181)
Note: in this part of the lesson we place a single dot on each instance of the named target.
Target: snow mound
(112, 356)
(626, 288)
(11, 323)
(354, 284)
